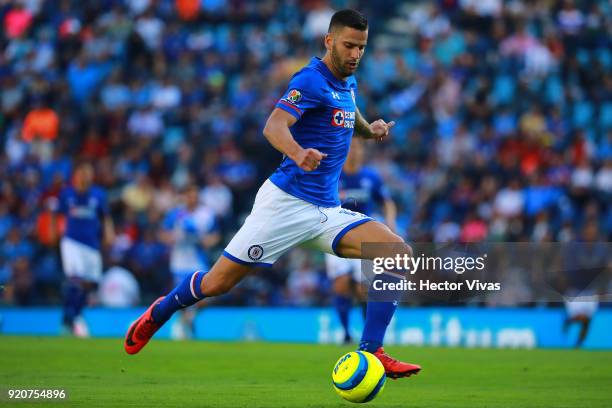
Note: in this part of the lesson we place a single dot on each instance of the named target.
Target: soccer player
(189, 229)
(586, 277)
(361, 188)
(312, 125)
(87, 222)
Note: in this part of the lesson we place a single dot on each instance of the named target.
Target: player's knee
(399, 244)
(342, 285)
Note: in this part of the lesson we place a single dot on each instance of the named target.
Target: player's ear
(328, 41)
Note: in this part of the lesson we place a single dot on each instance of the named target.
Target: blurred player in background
(312, 125)
(361, 189)
(587, 274)
(88, 226)
(190, 230)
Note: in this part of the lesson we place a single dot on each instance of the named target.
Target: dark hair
(348, 18)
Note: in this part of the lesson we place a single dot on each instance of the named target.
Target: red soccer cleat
(395, 369)
(141, 331)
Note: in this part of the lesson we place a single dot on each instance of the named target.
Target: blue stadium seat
(582, 113)
(605, 116)
(604, 55)
(503, 89)
(553, 90)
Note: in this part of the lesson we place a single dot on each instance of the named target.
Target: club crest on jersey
(294, 96)
(255, 252)
(342, 118)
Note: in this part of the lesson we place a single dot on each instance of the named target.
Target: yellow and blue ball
(358, 376)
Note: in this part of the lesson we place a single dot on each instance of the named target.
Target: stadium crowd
(503, 111)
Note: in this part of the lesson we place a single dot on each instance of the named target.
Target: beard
(339, 64)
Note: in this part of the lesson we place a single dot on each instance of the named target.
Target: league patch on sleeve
(293, 96)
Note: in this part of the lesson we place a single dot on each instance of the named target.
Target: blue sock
(187, 293)
(378, 316)
(74, 298)
(81, 301)
(343, 307)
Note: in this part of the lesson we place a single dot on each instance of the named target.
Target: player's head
(192, 196)
(346, 40)
(83, 176)
(354, 160)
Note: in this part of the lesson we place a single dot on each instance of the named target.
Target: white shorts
(280, 221)
(576, 308)
(337, 267)
(80, 261)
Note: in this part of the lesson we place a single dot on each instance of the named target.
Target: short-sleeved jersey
(84, 213)
(325, 110)
(361, 191)
(188, 227)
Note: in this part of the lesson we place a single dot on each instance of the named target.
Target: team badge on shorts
(294, 96)
(255, 252)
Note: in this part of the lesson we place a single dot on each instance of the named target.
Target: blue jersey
(84, 213)
(188, 227)
(325, 110)
(360, 191)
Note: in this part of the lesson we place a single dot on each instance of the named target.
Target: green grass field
(97, 373)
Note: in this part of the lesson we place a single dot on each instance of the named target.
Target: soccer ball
(358, 376)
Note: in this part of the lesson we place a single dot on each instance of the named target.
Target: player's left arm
(109, 230)
(108, 226)
(208, 229)
(210, 240)
(383, 196)
(211, 237)
(378, 129)
(390, 213)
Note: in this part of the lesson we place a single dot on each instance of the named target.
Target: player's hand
(309, 159)
(380, 128)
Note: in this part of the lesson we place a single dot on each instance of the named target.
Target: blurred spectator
(118, 288)
(302, 282)
(40, 129)
(21, 285)
(17, 20)
(138, 195)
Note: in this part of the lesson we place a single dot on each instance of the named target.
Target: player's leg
(339, 272)
(83, 268)
(223, 276)
(360, 289)
(183, 327)
(343, 302)
(74, 299)
(275, 225)
(73, 292)
(581, 312)
(378, 314)
(585, 324)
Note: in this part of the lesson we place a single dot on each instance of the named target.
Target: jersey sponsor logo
(335, 95)
(338, 118)
(342, 118)
(82, 212)
(255, 252)
(294, 96)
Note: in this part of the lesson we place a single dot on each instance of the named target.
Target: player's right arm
(278, 134)
(56, 206)
(166, 232)
(303, 93)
